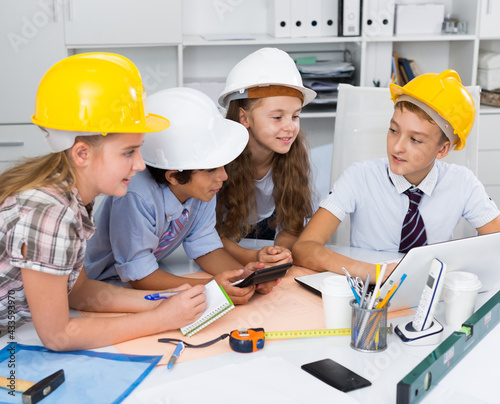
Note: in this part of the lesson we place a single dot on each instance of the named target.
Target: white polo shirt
(378, 206)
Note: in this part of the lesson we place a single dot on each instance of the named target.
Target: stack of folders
(218, 304)
(324, 76)
(314, 18)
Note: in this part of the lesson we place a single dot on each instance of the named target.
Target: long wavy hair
(292, 187)
(51, 170)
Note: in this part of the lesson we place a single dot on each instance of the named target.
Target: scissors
(356, 283)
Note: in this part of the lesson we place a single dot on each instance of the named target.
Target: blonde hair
(54, 170)
(292, 188)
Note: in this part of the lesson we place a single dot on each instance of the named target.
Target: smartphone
(336, 375)
(264, 275)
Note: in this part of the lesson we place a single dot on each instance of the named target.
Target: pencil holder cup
(368, 328)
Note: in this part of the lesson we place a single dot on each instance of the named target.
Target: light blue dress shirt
(377, 205)
(129, 229)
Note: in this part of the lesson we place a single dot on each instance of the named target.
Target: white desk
(234, 378)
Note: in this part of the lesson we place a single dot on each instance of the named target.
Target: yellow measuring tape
(307, 333)
(252, 339)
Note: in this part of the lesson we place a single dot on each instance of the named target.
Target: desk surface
(273, 374)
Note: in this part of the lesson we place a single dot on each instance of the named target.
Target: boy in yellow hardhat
(410, 198)
(172, 203)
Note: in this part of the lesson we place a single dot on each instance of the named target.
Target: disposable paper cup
(459, 295)
(336, 295)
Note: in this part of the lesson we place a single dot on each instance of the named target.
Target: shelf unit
(175, 54)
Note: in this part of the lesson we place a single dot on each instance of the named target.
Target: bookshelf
(177, 55)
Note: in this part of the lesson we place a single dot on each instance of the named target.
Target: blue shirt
(130, 227)
(377, 205)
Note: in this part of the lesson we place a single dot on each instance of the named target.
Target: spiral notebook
(218, 304)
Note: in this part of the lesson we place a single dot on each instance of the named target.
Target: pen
(178, 350)
(365, 289)
(355, 294)
(160, 295)
(377, 274)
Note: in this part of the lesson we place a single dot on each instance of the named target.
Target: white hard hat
(264, 68)
(199, 137)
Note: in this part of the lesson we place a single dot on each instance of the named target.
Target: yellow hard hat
(444, 94)
(95, 93)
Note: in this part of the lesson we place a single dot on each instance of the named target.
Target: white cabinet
(164, 39)
(17, 141)
(489, 153)
(31, 41)
(490, 17)
(122, 22)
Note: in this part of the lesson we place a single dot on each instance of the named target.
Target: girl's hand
(274, 255)
(184, 308)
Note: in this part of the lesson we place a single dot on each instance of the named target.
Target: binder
(349, 17)
(379, 18)
(279, 13)
(313, 18)
(378, 64)
(298, 11)
(329, 18)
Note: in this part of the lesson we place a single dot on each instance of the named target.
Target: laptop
(479, 255)
(314, 282)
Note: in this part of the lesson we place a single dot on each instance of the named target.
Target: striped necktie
(413, 231)
(172, 232)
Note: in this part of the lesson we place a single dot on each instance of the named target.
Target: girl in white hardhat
(92, 108)
(268, 193)
(172, 203)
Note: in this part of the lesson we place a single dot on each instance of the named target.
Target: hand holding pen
(161, 295)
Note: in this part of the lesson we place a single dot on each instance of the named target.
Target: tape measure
(307, 333)
(252, 339)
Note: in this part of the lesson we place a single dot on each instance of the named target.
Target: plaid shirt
(55, 228)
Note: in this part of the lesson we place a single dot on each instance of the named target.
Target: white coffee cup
(459, 294)
(336, 295)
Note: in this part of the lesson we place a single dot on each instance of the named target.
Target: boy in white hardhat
(410, 198)
(172, 203)
(268, 194)
(93, 108)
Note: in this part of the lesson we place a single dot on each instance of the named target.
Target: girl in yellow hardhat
(268, 193)
(92, 109)
(411, 198)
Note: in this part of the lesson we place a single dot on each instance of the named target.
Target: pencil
(399, 285)
(391, 292)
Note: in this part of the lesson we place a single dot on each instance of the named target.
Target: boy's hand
(237, 295)
(184, 308)
(274, 255)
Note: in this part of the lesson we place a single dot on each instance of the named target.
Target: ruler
(428, 373)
